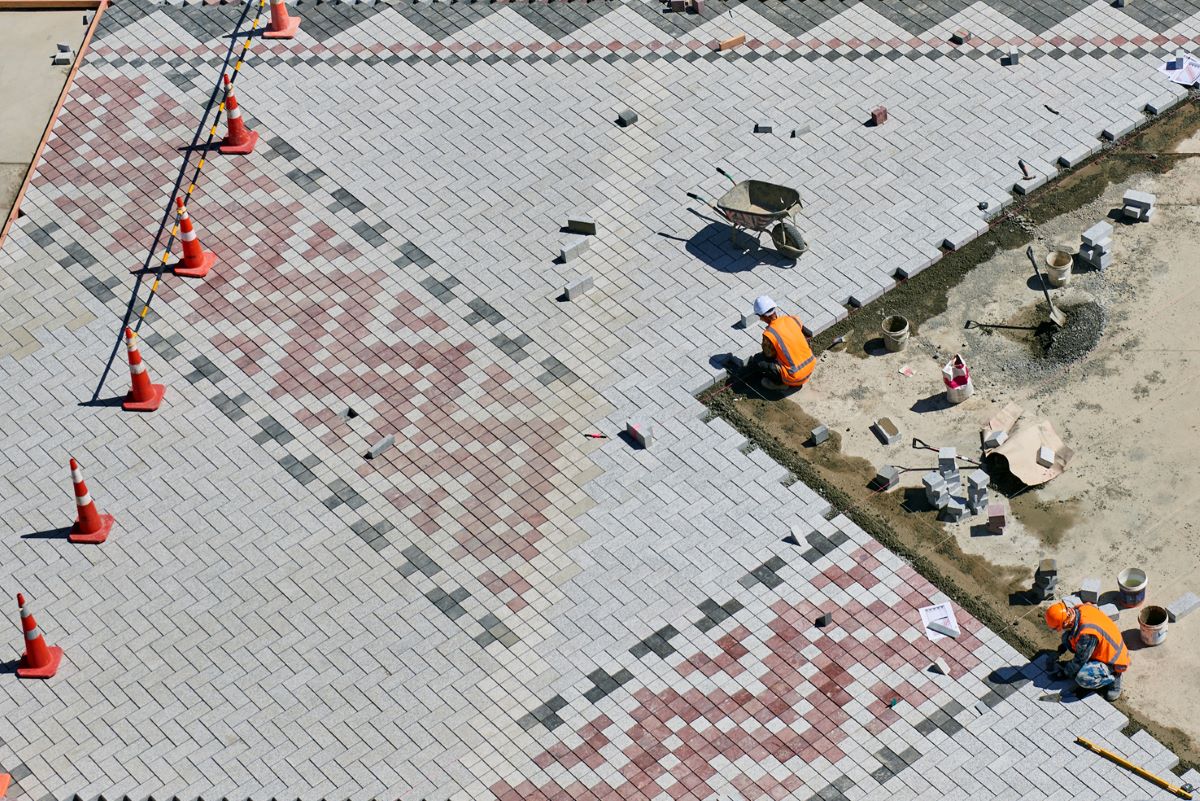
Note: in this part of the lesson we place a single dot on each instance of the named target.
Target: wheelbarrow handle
(694, 196)
(727, 175)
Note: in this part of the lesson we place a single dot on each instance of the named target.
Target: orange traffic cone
(143, 396)
(283, 25)
(40, 661)
(90, 527)
(196, 260)
(239, 140)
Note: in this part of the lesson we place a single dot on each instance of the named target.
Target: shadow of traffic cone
(91, 527)
(196, 260)
(40, 661)
(239, 140)
(143, 396)
(283, 25)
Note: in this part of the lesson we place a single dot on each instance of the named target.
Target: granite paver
(497, 604)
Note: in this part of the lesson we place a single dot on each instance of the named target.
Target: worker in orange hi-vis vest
(787, 360)
(1101, 657)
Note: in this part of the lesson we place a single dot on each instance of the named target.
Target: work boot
(1114, 690)
(772, 383)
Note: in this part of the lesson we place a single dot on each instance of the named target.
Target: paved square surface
(496, 604)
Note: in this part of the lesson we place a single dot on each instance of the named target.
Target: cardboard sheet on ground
(1020, 450)
(938, 613)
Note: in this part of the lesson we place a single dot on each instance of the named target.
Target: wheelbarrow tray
(757, 204)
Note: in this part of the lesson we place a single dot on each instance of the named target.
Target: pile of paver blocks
(1095, 248)
(1045, 579)
(581, 230)
(1138, 206)
(977, 494)
(943, 486)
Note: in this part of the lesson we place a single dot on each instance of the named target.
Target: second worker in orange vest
(787, 360)
(1101, 657)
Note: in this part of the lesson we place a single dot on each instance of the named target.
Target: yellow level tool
(1183, 792)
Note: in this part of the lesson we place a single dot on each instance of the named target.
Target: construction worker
(786, 361)
(1101, 657)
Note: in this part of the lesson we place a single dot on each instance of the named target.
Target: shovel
(1056, 316)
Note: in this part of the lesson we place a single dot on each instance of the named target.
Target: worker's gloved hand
(1058, 670)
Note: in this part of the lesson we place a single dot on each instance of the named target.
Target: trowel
(1056, 316)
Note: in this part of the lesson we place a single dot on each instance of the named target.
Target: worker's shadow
(712, 245)
(1037, 673)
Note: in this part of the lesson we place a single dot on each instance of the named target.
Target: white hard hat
(763, 305)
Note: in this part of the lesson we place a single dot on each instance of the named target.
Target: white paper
(939, 613)
(1189, 74)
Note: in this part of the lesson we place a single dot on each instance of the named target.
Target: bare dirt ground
(1128, 408)
(29, 86)
(1121, 394)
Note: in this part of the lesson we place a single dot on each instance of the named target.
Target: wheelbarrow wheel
(788, 240)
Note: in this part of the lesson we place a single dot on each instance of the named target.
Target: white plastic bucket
(1058, 267)
(1153, 624)
(1131, 585)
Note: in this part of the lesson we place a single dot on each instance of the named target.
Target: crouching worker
(787, 360)
(1101, 657)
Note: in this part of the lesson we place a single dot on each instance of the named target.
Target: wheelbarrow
(758, 206)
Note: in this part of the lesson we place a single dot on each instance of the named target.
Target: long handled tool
(1056, 316)
(1184, 792)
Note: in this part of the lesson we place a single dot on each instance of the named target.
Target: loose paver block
(381, 446)
(820, 434)
(1089, 590)
(1045, 456)
(763, 127)
(1111, 610)
(627, 118)
(581, 225)
(995, 439)
(576, 288)
(945, 630)
(641, 432)
(886, 431)
(1182, 606)
(939, 666)
(887, 478)
(573, 247)
(732, 42)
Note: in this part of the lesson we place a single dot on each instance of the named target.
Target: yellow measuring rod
(1145, 774)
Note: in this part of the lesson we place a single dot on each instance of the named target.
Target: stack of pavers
(1138, 206)
(1045, 579)
(977, 494)
(942, 486)
(1095, 248)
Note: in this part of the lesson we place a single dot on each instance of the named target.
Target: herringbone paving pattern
(498, 604)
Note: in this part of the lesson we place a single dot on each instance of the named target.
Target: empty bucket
(895, 333)
(1058, 267)
(1153, 623)
(1131, 586)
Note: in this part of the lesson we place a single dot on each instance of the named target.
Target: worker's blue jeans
(1095, 675)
